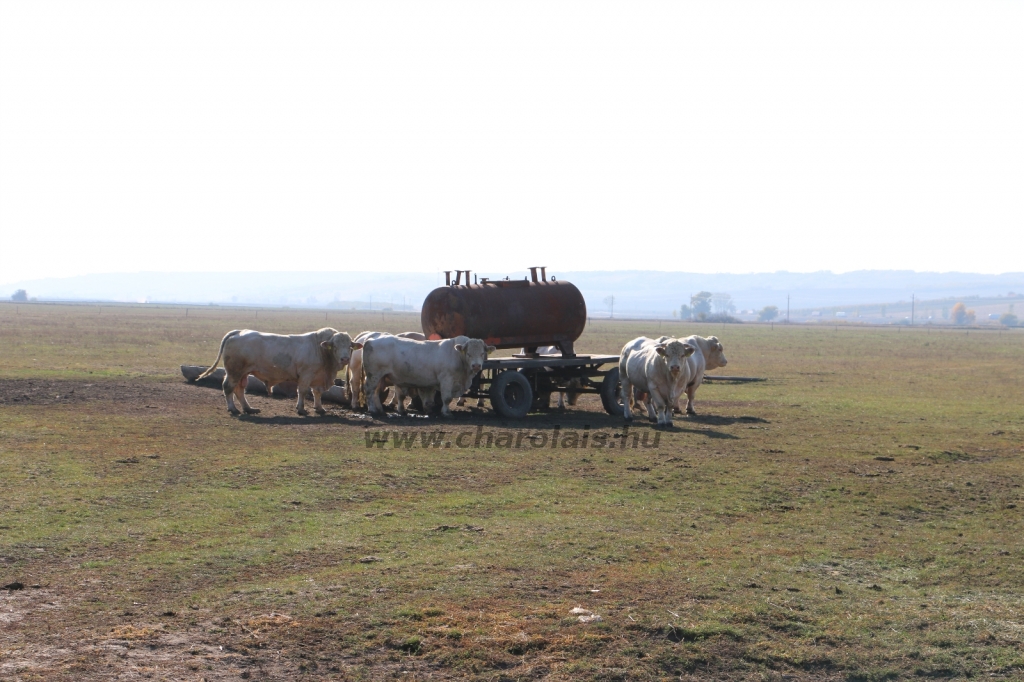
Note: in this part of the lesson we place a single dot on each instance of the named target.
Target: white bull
(658, 369)
(355, 376)
(709, 354)
(311, 360)
(447, 366)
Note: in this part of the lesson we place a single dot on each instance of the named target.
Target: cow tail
(216, 362)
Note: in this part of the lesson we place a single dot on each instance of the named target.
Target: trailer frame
(524, 383)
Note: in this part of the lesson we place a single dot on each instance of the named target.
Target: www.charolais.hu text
(556, 438)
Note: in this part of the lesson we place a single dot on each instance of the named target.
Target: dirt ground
(851, 518)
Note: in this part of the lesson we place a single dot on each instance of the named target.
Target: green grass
(764, 538)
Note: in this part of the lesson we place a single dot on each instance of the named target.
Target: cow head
(340, 345)
(715, 357)
(674, 353)
(474, 352)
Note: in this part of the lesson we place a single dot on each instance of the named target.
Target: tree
(1008, 320)
(701, 303)
(685, 313)
(961, 315)
(20, 296)
(768, 313)
(723, 303)
(610, 302)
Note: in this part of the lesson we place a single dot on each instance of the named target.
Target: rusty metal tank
(507, 313)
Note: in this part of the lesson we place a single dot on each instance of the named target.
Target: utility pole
(912, 310)
(787, 308)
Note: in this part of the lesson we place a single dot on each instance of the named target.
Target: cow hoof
(234, 411)
(302, 413)
(252, 410)
(321, 411)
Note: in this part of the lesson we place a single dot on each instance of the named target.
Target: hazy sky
(706, 137)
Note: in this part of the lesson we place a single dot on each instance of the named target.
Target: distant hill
(639, 293)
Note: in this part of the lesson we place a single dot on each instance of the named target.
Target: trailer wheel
(611, 393)
(511, 395)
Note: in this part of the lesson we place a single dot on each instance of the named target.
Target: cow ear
(491, 349)
(459, 347)
(356, 346)
(688, 350)
(326, 345)
(660, 348)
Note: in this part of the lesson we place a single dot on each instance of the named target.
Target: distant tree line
(705, 306)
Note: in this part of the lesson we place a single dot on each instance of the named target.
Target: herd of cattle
(654, 373)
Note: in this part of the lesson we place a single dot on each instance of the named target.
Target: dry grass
(856, 517)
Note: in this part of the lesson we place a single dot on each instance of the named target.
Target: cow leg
(239, 391)
(626, 389)
(300, 405)
(370, 384)
(229, 393)
(652, 407)
(350, 396)
(561, 400)
(317, 406)
(690, 391)
(398, 400)
(246, 407)
(356, 390)
(426, 400)
(660, 409)
(449, 392)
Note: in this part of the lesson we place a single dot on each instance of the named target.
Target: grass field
(858, 516)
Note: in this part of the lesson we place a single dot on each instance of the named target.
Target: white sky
(705, 137)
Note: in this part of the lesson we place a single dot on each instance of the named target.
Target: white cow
(355, 376)
(641, 399)
(709, 354)
(311, 360)
(658, 369)
(448, 366)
